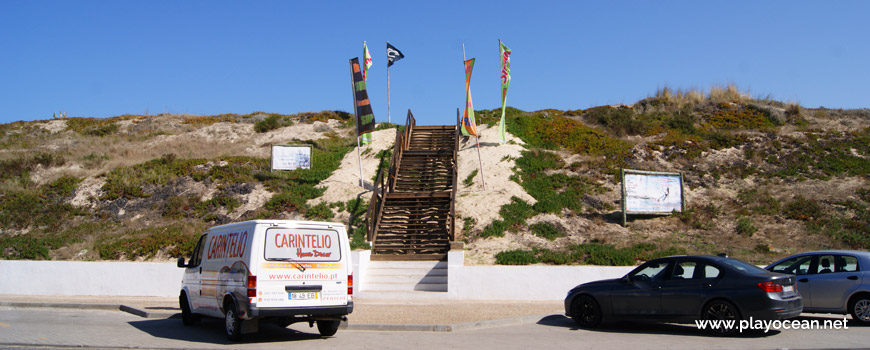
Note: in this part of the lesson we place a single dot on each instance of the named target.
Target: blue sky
(107, 58)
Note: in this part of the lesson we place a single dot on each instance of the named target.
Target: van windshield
(302, 245)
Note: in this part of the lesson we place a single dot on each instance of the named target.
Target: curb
(91, 306)
(455, 327)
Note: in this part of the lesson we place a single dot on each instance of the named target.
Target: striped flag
(469, 128)
(505, 58)
(365, 118)
(367, 64)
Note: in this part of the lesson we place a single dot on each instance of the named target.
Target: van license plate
(302, 296)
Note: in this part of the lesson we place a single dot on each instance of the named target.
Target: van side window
(196, 258)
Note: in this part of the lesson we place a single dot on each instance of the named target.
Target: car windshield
(742, 266)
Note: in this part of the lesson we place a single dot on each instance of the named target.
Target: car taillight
(252, 286)
(770, 287)
(350, 284)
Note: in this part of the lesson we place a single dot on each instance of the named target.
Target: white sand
(498, 161)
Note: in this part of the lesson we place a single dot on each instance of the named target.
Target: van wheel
(232, 322)
(328, 328)
(187, 317)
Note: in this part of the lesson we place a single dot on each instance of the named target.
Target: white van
(279, 270)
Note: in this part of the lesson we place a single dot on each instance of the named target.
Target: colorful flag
(365, 118)
(367, 64)
(469, 128)
(505, 54)
(367, 61)
(393, 54)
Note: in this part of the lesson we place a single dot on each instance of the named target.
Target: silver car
(831, 281)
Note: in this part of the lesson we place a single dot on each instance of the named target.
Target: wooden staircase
(411, 214)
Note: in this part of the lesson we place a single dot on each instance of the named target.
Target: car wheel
(859, 307)
(328, 328)
(232, 322)
(585, 311)
(721, 310)
(187, 317)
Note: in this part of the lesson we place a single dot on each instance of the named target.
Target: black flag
(393, 54)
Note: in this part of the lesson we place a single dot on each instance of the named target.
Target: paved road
(43, 327)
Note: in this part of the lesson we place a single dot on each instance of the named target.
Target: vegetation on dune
(160, 186)
(587, 254)
(766, 145)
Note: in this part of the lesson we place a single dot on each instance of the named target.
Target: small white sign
(290, 157)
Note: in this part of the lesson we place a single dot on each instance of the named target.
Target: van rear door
(303, 267)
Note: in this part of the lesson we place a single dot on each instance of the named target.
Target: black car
(684, 289)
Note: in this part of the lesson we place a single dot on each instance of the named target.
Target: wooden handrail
(386, 184)
(455, 175)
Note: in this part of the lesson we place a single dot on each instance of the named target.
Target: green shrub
(516, 257)
(271, 122)
(468, 224)
(38, 245)
(547, 256)
(94, 160)
(177, 207)
(320, 212)
(470, 179)
(546, 230)
(358, 239)
(605, 254)
(63, 187)
(23, 165)
(92, 126)
(494, 229)
(556, 131)
(745, 227)
(287, 202)
(804, 209)
(175, 240)
(620, 121)
(699, 217)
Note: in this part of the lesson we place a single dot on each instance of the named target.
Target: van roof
(281, 223)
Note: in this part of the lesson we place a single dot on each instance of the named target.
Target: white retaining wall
(164, 279)
(90, 278)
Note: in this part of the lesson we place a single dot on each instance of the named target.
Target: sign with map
(651, 193)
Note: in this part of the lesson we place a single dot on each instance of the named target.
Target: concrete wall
(164, 279)
(90, 278)
(536, 282)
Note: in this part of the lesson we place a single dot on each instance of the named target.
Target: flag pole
(356, 122)
(476, 137)
(388, 84)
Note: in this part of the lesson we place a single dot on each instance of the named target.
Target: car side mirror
(625, 279)
(181, 262)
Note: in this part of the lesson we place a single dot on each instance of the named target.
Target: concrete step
(405, 279)
(406, 287)
(408, 264)
(405, 276)
(400, 295)
(417, 273)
